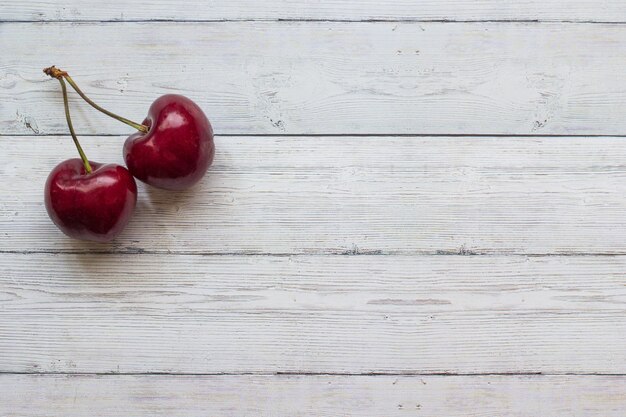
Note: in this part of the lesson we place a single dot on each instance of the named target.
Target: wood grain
(512, 396)
(298, 195)
(325, 314)
(120, 10)
(415, 267)
(324, 77)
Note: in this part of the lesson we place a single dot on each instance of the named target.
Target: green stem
(69, 124)
(59, 74)
(137, 126)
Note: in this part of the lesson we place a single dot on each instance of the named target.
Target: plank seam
(356, 135)
(313, 374)
(303, 20)
(345, 252)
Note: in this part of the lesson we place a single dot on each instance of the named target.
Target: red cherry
(178, 148)
(90, 206)
(174, 146)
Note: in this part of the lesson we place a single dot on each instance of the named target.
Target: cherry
(178, 148)
(174, 146)
(88, 200)
(94, 205)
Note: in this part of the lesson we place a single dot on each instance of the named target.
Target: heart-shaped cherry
(174, 146)
(94, 205)
(178, 148)
(88, 200)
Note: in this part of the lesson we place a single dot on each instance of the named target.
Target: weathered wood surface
(325, 77)
(331, 396)
(288, 195)
(350, 10)
(116, 313)
(333, 258)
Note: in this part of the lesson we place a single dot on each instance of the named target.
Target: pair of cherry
(172, 149)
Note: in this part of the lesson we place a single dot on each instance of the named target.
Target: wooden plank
(434, 396)
(325, 77)
(286, 195)
(114, 313)
(120, 10)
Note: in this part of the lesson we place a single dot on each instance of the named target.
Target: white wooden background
(416, 208)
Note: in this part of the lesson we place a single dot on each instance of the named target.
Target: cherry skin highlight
(178, 148)
(92, 206)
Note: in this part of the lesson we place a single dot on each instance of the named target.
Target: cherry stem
(57, 73)
(69, 124)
